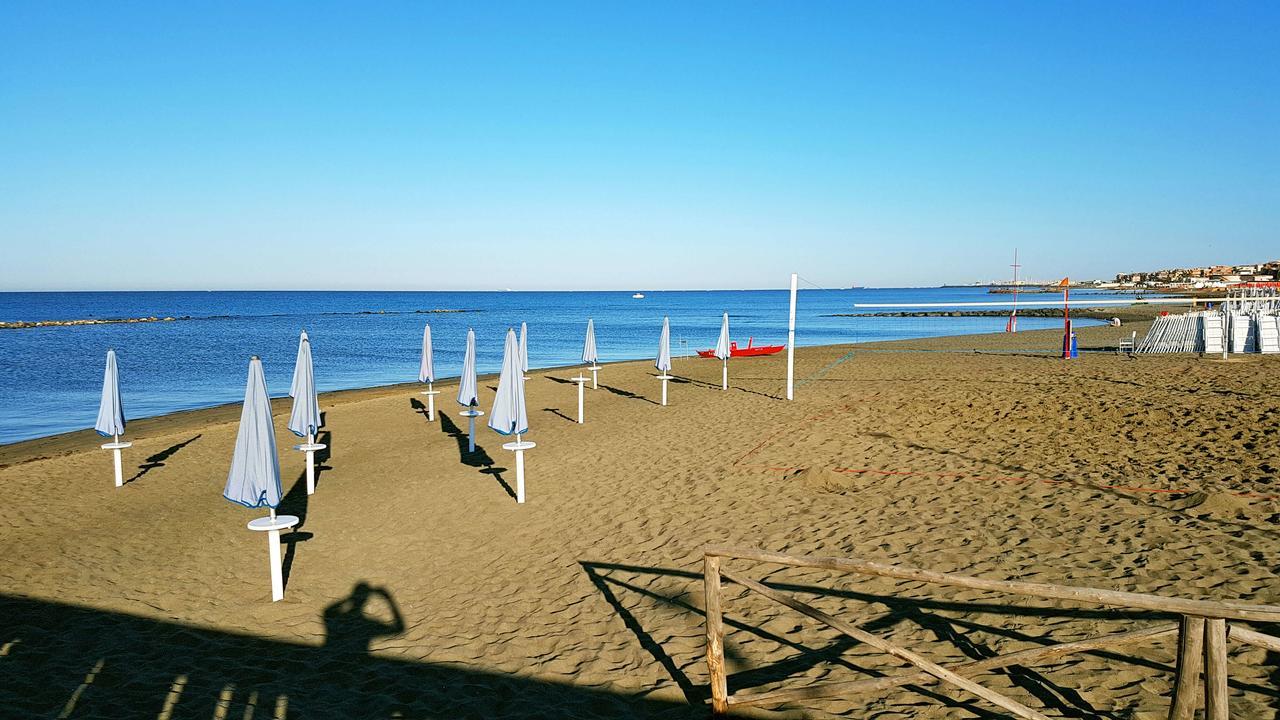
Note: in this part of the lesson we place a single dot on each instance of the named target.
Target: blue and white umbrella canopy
(589, 347)
(467, 382)
(722, 345)
(508, 415)
(304, 420)
(110, 409)
(663, 363)
(524, 347)
(254, 479)
(426, 369)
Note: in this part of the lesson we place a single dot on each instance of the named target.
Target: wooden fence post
(1186, 690)
(715, 636)
(1215, 669)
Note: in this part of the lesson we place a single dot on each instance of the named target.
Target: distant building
(1199, 277)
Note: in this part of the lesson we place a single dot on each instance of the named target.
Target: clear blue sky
(630, 145)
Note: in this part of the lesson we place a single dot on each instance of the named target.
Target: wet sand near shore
(417, 587)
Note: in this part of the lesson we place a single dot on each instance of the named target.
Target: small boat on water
(751, 350)
(638, 296)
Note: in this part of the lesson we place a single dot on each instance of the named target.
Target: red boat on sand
(748, 351)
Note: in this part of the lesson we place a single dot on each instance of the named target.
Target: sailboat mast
(1015, 278)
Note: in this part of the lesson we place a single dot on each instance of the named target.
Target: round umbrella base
(471, 415)
(310, 449)
(115, 448)
(519, 447)
(431, 403)
(279, 522)
(272, 526)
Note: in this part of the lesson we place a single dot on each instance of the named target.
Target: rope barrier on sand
(829, 367)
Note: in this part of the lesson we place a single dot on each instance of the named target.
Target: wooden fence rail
(1202, 632)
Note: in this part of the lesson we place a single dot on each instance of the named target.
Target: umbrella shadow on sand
(557, 413)
(627, 394)
(478, 459)
(295, 503)
(155, 461)
(678, 379)
(323, 436)
(419, 408)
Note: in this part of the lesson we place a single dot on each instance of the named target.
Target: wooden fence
(1201, 627)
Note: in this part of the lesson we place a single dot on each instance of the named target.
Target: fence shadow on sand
(647, 599)
(60, 660)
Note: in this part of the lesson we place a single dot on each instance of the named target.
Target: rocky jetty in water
(20, 324)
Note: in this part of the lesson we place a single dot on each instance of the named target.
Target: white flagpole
(791, 342)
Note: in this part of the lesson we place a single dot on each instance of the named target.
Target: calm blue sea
(50, 378)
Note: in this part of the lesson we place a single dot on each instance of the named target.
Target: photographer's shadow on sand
(354, 622)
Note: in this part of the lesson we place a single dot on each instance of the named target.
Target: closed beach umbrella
(305, 419)
(467, 383)
(426, 369)
(524, 348)
(722, 351)
(111, 414)
(110, 409)
(589, 347)
(427, 373)
(663, 363)
(589, 353)
(467, 396)
(508, 415)
(254, 479)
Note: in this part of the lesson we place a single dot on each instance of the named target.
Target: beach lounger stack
(1267, 330)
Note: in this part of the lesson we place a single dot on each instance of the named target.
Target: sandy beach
(417, 587)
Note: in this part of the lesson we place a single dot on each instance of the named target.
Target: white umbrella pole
(791, 342)
(520, 471)
(273, 551)
(272, 526)
(664, 391)
(311, 465)
(595, 383)
(115, 451)
(580, 402)
(431, 404)
(724, 382)
(471, 433)
(1226, 328)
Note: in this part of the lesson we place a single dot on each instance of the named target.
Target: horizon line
(782, 288)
